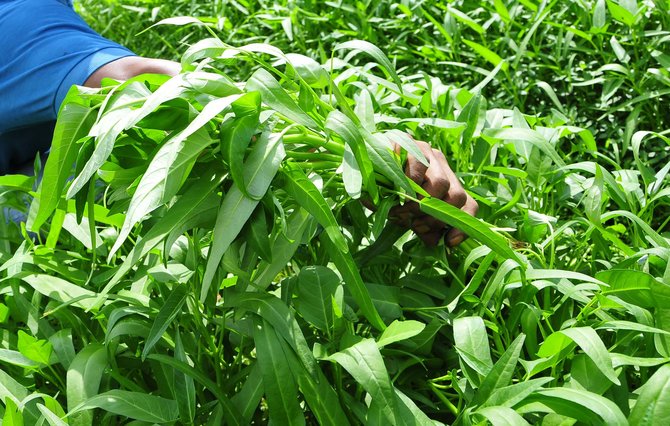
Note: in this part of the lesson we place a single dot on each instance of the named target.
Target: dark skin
(438, 179)
(441, 182)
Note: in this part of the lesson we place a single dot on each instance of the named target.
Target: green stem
(451, 407)
(311, 156)
(315, 141)
(318, 165)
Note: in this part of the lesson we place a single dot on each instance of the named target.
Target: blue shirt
(45, 48)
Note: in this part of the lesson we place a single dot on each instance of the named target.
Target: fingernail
(454, 241)
(421, 229)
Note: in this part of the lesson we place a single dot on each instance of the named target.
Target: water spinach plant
(199, 252)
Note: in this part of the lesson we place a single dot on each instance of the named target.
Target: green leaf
(170, 167)
(379, 151)
(629, 325)
(274, 96)
(653, 403)
(351, 174)
(16, 358)
(133, 405)
(599, 14)
(464, 18)
(502, 416)
(236, 134)
(476, 229)
(587, 339)
(374, 52)
(579, 404)
(34, 349)
(319, 395)
(184, 385)
(621, 14)
(410, 413)
(346, 129)
(365, 364)
(502, 372)
(354, 282)
(247, 399)
(178, 21)
(486, 53)
(236, 208)
(118, 114)
(398, 331)
(280, 386)
(10, 389)
(316, 288)
(12, 415)
(17, 182)
(473, 115)
(258, 234)
(529, 136)
(365, 110)
(636, 287)
(169, 311)
(621, 359)
(60, 290)
(509, 396)
(309, 70)
(307, 195)
(74, 122)
(83, 381)
(231, 414)
(585, 374)
(472, 344)
(52, 418)
(407, 143)
(187, 206)
(283, 248)
(593, 198)
(275, 312)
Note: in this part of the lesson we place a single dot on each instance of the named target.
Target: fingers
(416, 170)
(440, 181)
(455, 236)
(429, 229)
(439, 177)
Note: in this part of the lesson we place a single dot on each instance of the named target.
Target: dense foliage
(198, 251)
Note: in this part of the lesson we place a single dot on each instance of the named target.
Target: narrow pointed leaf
(366, 365)
(587, 339)
(281, 388)
(345, 128)
(74, 122)
(166, 315)
(133, 405)
(274, 96)
(236, 208)
(653, 403)
(474, 228)
(374, 52)
(307, 195)
(169, 168)
(502, 372)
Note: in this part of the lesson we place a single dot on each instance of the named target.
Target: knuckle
(471, 206)
(458, 197)
(475, 207)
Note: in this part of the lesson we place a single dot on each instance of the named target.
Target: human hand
(440, 182)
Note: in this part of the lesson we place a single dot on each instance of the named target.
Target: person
(45, 48)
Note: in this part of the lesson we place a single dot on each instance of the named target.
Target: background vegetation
(141, 298)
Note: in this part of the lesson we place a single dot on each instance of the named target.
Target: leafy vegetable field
(199, 250)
